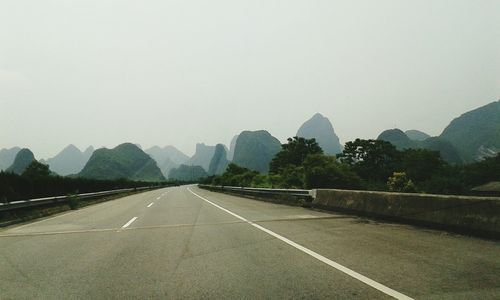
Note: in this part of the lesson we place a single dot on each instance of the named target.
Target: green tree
(292, 177)
(421, 164)
(399, 182)
(236, 176)
(36, 170)
(322, 171)
(294, 153)
(482, 172)
(371, 159)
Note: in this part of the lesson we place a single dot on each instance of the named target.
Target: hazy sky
(98, 72)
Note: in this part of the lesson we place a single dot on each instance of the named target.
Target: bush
(399, 182)
(73, 201)
(322, 171)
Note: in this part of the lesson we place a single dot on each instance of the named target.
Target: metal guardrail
(47, 200)
(300, 194)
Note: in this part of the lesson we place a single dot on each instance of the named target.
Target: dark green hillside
(255, 149)
(23, 159)
(398, 138)
(124, 161)
(401, 141)
(475, 131)
(448, 152)
(417, 135)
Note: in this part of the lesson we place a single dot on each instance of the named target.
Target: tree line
(363, 165)
(38, 181)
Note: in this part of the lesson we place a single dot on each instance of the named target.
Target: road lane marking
(151, 204)
(167, 226)
(62, 214)
(129, 222)
(384, 289)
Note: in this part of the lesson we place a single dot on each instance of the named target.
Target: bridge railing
(56, 199)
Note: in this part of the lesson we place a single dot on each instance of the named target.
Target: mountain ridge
(124, 161)
(320, 128)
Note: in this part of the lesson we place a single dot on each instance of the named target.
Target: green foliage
(461, 179)
(420, 164)
(292, 177)
(73, 201)
(323, 171)
(371, 159)
(364, 164)
(294, 153)
(399, 182)
(237, 176)
(15, 187)
(482, 172)
(449, 180)
(36, 170)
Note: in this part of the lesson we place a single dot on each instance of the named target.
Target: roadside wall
(463, 213)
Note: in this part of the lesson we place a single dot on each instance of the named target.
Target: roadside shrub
(399, 182)
(73, 201)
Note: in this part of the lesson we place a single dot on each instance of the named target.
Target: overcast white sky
(100, 72)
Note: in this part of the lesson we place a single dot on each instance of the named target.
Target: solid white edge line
(384, 289)
(151, 204)
(129, 222)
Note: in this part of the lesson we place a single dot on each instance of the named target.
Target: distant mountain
(23, 159)
(88, 153)
(219, 161)
(475, 132)
(7, 157)
(321, 129)
(187, 173)
(124, 161)
(255, 150)
(398, 138)
(202, 156)
(230, 154)
(70, 160)
(401, 141)
(417, 135)
(167, 158)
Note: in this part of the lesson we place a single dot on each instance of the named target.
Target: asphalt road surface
(187, 243)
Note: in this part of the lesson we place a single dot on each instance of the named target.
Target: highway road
(188, 243)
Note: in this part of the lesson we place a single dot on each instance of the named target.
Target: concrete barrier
(292, 197)
(475, 215)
